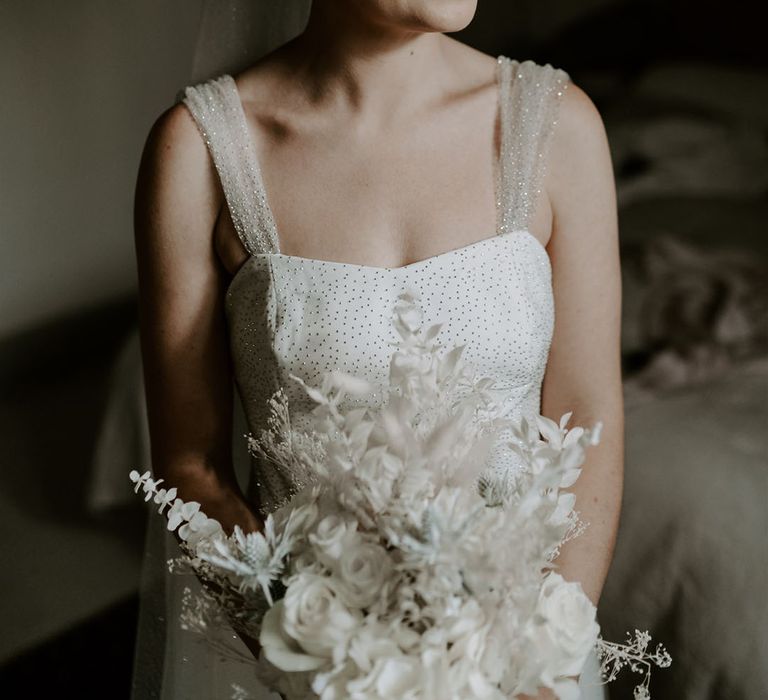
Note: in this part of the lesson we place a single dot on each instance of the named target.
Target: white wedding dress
(293, 315)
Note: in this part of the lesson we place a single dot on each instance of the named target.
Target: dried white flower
(402, 567)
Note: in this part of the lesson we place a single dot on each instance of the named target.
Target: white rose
(283, 651)
(363, 569)
(306, 561)
(331, 535)
(568, 630)
(315, 617)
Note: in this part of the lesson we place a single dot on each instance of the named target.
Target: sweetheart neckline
(272, 229)
(380, 269)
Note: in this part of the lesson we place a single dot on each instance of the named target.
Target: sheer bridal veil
(236, 33)
(170, 663)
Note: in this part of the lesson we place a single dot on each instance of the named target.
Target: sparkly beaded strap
(218, 112)
(530, 96)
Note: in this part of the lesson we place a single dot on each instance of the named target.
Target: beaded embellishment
(530, 96)
(218, 112)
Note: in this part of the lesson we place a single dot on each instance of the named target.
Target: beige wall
(81, 83)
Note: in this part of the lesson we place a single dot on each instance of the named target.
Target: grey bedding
(691, 558)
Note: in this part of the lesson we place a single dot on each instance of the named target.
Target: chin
(424, 15)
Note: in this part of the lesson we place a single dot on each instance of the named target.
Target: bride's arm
(184, 344)
(584, 369)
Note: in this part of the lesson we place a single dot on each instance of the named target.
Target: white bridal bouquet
(404, 566)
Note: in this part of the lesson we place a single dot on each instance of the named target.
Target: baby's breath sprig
(634, 654)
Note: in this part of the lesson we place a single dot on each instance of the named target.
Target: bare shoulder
(477, 66)
(176, 180)
(579, 157)
(578, 116)
(579, 137)
(174, 148)
(273, 82)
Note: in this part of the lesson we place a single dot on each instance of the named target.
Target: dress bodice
(294, 315)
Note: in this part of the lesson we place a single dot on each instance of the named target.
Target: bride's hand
(235, 510)
(224, 503)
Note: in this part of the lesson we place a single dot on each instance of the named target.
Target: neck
(363, 63)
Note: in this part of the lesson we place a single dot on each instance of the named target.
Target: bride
(280, 210)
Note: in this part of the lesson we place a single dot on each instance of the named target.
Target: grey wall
(81, 83)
